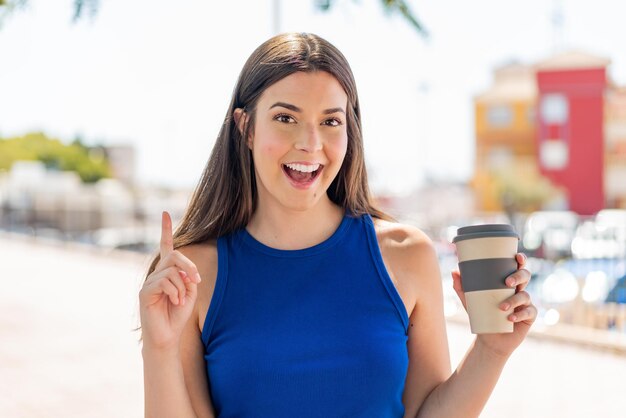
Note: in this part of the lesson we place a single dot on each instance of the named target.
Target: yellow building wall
(517, 140)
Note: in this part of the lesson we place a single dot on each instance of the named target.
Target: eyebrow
(297, 109)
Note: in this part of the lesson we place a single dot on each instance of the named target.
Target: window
(553, 154)
(554, 109)
(499, 116)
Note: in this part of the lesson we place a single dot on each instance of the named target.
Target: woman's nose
(309, 141)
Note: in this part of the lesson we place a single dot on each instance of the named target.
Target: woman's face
(300, 139)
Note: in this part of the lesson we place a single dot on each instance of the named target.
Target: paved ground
(67, 350)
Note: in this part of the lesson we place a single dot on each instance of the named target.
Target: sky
(159, 74)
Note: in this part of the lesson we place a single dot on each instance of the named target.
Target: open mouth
(301, 178)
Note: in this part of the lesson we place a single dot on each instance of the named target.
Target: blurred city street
(516, 116)
(68, 349)
(66, 317)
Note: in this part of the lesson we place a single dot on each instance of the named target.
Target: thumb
(458, 287)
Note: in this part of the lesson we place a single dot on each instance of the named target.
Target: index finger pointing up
(167, 241)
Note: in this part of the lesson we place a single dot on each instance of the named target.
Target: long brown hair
(225, 197)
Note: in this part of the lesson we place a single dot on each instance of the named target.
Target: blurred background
(473, 112)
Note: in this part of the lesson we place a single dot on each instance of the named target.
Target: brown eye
(284, 118)
(332, 122)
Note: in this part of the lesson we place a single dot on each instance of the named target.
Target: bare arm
(431, 390)
(466, 392)
(414, 261)
(175, 382)
(191, 345)
(436, 392)
(164, 385)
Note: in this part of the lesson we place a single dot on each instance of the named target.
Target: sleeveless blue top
(315, 332)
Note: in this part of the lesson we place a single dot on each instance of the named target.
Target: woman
(284, 292)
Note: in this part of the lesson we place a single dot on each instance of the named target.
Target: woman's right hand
(168, 296)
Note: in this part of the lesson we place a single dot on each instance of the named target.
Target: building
(122, 161)
(570, 126)
(551, 136)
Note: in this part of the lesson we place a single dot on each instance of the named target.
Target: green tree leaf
(390, 6)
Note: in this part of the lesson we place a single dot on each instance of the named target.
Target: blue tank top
(315, 332)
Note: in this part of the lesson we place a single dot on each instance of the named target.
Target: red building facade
(570, 124)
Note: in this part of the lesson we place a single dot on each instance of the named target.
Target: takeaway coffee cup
(486, 256)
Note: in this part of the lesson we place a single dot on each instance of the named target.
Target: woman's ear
(241, 117)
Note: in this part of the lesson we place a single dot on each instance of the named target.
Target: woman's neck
(287, 229)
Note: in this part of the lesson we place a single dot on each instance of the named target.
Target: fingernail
(504, 306)
(513, 318)
(511, 282)
(198, 278)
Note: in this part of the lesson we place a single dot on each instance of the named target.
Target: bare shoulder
(402, 239)
(204, 256)
(410, 258)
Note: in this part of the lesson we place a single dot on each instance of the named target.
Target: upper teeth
(304, 168)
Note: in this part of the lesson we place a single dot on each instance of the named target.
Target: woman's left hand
(523, 316)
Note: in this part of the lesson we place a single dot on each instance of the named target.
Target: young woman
(284, 292)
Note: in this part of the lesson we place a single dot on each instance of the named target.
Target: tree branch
(400, 6)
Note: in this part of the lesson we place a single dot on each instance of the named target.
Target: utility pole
(557, 18)
(276, 16)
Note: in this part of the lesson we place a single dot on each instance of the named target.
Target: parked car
(549, 234)
(602, 237)
(618, 293)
